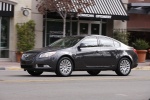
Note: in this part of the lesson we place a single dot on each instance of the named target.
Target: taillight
(135, 51)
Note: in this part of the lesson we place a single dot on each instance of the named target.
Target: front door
(95, 29)
(89, 28)
(88, 53)
(84, 29)
(4, 37)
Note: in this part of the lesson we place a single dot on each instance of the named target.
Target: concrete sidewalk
(16, 66)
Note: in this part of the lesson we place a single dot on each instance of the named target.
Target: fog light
(46, 66)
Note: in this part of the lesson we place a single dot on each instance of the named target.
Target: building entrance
(90, 28)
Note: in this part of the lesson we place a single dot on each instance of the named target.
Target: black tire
(34, 73)
(64, 67)
(124, 67)
(93, 72)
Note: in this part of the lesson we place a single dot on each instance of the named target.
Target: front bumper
(34, 63)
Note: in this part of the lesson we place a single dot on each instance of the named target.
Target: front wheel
(124, 67)
(64, 67)
(34, 73)
(93, 72)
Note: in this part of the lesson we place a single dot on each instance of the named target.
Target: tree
(63, 7)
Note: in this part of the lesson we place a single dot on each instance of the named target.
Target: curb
(11, 68)
(14, 68)
(142, 68)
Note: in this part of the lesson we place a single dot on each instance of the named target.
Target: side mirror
(82, 45)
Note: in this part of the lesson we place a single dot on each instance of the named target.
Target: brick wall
(139, 20)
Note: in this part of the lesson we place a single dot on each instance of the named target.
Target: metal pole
(0, 35)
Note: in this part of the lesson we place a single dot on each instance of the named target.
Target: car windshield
(66, 42)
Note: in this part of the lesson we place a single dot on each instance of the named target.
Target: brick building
(139, 23)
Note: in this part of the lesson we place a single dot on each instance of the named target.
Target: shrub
(140, 44)
(25, 36)
(121, 36)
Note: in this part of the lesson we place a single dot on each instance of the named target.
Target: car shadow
(74, 75)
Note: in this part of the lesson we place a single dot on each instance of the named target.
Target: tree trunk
(64, 27)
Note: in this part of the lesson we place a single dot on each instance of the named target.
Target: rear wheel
(64, 67)
(34, 73)
(124, 67)
(93, 72)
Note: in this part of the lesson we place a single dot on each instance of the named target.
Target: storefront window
(74, 28)
(71, 30)
(4, 37)
(54, 30)
(104, 29)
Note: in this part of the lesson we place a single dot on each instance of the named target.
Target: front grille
(29, 56)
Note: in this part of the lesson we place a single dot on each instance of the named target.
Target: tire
(64, 67)
(34, 73)
(124, 67)
(93, 72)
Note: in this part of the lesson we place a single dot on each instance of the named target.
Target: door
(88, 52)
(95, 29)
(4, 37)
(84, 28)
(89, 28)
(108, 52)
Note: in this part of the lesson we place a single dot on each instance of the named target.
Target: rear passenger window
(106, 42)
(117, 44)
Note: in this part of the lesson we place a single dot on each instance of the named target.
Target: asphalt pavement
(5, 65)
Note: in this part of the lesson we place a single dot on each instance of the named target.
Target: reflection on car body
(93, 54)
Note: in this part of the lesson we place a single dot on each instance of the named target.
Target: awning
(139, 8)
(7, 8)
(109, 9)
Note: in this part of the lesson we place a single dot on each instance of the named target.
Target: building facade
(139, 23)
(49, 27)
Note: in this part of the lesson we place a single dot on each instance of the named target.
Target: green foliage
(121, 36)
(25, 36)
(140, 44)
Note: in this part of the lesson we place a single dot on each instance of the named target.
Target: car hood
(45, 49)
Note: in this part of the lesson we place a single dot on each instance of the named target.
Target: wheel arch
(69, 58)
(128, 57)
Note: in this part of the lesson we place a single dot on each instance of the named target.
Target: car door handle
(97, 52)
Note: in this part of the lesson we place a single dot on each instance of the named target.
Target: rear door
(108, 52)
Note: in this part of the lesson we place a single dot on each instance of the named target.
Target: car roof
(88, 36)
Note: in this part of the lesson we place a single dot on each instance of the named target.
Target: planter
(141, 55)
(18, 56)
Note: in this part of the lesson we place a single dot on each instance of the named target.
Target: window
(117, 44)
(90, 42)
(4, 37)
(106, 42)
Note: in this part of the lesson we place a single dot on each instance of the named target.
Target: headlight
(47, 54)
